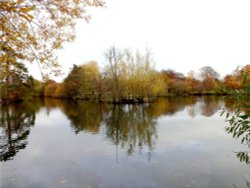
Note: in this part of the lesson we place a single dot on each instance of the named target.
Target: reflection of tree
(15, 123)
(131, 126)
(84, 116)
(170, 105)
(210, 105)
(207, 105)
(239, 123)
(127, 126)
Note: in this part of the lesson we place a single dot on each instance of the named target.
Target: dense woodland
(127, 77)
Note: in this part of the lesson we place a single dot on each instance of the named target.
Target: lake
(174, 142)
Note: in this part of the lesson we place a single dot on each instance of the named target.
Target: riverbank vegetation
(127, 77)
(130, 77)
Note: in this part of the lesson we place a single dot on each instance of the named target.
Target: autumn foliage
(130, 77)
(127, 77)
(34, 30)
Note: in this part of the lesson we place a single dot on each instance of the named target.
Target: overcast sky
(183, 35)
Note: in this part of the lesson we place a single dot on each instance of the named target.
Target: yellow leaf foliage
(37, 28)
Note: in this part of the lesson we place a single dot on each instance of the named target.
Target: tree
(35, 29)
(15, 84)
(209, 72)
(175, 81)
(72, 82)
(60, 91)
(131, 75)
(244, 75)
(38, 88)
(209, 76)
(114, 57)
(193, 85)
(232, 82)
(239, 79)
(155, 84)
(83, 81)
(90, 75)
(50, 88)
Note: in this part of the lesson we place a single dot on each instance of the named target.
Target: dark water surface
(175, 142)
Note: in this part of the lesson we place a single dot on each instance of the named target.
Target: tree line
(127, 77)
(130, 77)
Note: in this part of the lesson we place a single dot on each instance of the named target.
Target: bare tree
(114, 57)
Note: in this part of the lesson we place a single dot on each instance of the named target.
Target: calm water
(175, 142)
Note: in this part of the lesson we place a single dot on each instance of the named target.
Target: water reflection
(16, 122)
(131, 127)
(210, 105)
(84, 116)
(74, 144)
(169, 106)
